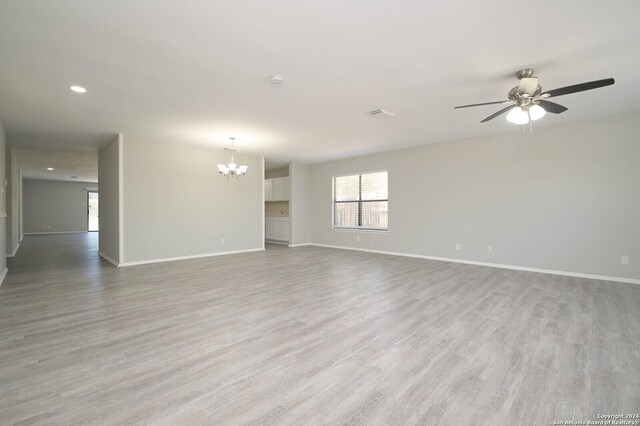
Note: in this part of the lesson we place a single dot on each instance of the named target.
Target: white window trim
(351, 228)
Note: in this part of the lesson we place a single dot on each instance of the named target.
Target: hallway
(57, 251)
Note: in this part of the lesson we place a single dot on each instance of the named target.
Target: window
(361, 201)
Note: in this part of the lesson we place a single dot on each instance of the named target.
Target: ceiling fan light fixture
(536, 112)
(517, 115)
(530, 103)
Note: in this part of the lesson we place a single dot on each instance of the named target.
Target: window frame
(359, 201)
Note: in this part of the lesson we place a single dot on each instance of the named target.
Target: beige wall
(565, 197)
(55, 206)
(109, 176)
(177, 205)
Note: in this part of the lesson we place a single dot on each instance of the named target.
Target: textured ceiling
(197, 71)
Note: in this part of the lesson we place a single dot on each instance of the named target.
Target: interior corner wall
(52, 206)
(563, 198)
(300, 203)
(3, 205)
(177, 205)
(13, 202)
(109, 208)
(276, 173)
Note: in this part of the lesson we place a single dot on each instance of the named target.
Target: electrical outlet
(357, 237)
(458, 246)
(489, 249)
(221, 240)
(624, 260)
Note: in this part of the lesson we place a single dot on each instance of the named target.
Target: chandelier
(232, 169)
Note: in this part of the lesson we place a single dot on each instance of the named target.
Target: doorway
(92, 211)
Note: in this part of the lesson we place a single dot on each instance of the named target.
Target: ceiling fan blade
(552, 107)
(485, 103)
(495, 114)
(528, 85)
(578, 88)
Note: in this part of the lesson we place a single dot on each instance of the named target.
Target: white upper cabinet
(286, 181)
(276, 189)
(268, 190)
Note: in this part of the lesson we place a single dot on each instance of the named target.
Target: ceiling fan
(528, 103)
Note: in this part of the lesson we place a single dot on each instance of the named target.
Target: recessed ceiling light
(78, 89)
(50, 169)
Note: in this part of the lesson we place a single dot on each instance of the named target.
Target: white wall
(566, 198)
(13, 202)
(55, 206)
(300, 203)
(21, 204)
(110, 178)
(177, 205)
(3, 208)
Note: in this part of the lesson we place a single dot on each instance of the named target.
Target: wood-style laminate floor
(308, 336)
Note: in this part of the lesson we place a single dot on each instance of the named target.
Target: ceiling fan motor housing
(524, 73)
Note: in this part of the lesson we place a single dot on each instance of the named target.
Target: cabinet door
(268, 190)
(283, 230)
(278, 189)
(286, 182)
(271, 229)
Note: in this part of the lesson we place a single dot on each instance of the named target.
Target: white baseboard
(107, 258)
(52, 233)
(193, 256)
(3, 275)
(492, 265)
(300, 245)
(14, 252)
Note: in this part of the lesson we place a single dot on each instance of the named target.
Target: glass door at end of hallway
(92, 211)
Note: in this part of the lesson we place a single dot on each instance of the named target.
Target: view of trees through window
(361, 201)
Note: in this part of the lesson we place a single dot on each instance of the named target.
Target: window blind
(361, 201)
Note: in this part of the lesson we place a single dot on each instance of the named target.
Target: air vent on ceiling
(379, 112)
